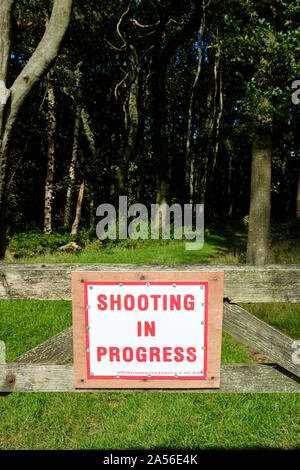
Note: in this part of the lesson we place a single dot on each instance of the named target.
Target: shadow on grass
(222, 238)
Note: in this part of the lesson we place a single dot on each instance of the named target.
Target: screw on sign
(10, 379)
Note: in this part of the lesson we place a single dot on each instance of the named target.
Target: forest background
(177, 102)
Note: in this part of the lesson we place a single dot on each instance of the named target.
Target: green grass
(26, 323)
(284, 317)
(138, 252)
(137, 420)
(149, 421)
(224, 243)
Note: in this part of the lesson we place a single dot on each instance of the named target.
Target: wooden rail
(243, 283)
(235, 378)
(260, 336)
(44, 368)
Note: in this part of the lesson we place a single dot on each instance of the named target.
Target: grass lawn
(137, 420)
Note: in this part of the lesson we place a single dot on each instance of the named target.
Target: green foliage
(37, 243)
(246, 220)
(255, 71)
(27, 244)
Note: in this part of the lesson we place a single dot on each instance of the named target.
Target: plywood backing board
(214, 280)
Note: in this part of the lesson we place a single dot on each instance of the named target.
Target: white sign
(142, 330)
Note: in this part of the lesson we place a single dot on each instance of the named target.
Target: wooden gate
(45, 368)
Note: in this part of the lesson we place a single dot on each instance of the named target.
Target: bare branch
(119, 24)
(171, 20)
(25, 25)
(144, 25)
(206, 5)
(119, 49)
(119, 84)
(146, 52)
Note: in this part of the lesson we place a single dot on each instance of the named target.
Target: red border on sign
(144, 377)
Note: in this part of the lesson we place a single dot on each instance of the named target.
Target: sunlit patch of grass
(26, 323)
(149, 421)
(141, 252)
(283, 316)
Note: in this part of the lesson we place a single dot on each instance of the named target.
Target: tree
(165, 46)
(172, 133)
(12, 99)
(52, 127)
(259, 236)
(75, 224)
(77, 119)
(189, 160)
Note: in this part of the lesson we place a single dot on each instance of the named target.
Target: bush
(37, 243)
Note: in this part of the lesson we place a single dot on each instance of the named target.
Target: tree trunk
(159, 130)
(229, 188)
(213, 125)
(6, 8)
(78, 210)
(88, 131)
(258, 247)
(92, 208)
(159, 135)
(89, 134)
(51, 153)
(71, 181)
(160, 56)
(128, 148)
(205, 152)
(12, 100)
(259, 237)
(218, 84)
(189, 161)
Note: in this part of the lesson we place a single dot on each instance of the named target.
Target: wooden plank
(260, 336)
(243, 283)
(56, 350)
(235, 378)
